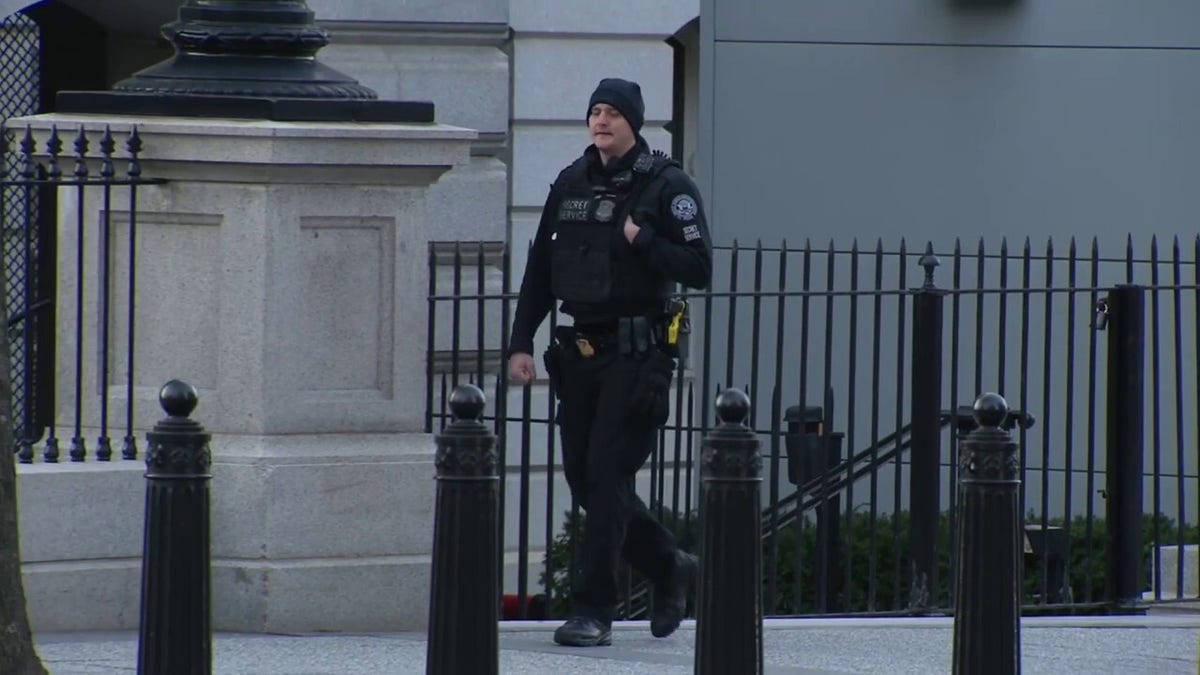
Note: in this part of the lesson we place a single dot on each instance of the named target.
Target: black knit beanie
(623, 95)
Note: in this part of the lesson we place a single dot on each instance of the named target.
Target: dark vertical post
(48, 241)
(465, 590)
(987, 603)
(828, 511)
(134, 147)
(827, 564)
(523, 500)
(926, 453)
(729, 606)
(456, 315)
(1126, 386)
(773, 525)
(431, 329)
(1100, 323)
(175, 635)
(29, 173)
(78, 448)
(107, 173)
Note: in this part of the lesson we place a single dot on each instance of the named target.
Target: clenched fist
(521, 368)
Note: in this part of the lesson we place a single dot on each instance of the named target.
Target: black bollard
(987, 598)
(175, 636)
(464, 601)
(729, 607)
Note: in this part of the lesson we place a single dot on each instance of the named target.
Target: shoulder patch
(684, 208)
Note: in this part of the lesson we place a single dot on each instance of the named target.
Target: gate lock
(1101, 320)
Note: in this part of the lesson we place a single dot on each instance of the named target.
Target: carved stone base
(278, 109)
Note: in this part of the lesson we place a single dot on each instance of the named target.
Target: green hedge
(890, 591)
(684, 529)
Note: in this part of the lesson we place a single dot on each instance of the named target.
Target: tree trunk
(17, 654)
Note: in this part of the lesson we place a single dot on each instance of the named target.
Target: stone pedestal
(282, 270)
(1166, 584)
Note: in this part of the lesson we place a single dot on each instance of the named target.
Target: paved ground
(1159, 644)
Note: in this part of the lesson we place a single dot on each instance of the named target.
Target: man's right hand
(521, 368)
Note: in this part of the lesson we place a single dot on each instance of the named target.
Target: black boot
(583, 631)
(670, 596)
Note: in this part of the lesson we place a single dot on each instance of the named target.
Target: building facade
(511, 77)
(822, 120)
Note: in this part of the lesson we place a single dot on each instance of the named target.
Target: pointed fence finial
(930, 262)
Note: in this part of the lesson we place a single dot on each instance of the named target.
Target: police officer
(620, 228)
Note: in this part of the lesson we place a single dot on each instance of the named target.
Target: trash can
(1052, 545)
(814, 451)
(810, 450)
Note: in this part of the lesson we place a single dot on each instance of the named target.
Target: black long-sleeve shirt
(673, 238)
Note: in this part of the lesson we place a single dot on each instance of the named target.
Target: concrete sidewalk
(1158, 644)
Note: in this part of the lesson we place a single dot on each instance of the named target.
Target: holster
(673, 326)
(552, 359)
(652, 393)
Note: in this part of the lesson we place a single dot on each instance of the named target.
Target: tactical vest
(590, 261)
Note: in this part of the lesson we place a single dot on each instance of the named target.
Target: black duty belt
(627, 334)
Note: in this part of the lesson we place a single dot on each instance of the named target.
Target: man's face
(610, 131)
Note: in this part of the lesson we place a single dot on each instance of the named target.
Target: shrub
(879, 562)
(683, 526)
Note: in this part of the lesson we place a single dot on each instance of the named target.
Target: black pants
(604, 445)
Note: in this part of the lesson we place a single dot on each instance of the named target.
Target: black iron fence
(99, 197)
(862, 365)
(20, 95)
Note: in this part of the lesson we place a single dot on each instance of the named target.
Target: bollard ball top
(466, 402)
(990, 410)
(178, 398)
(733, 406)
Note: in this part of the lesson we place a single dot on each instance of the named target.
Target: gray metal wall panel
(1145, 23)
(933, 142)
(707, 96)
(835, 119)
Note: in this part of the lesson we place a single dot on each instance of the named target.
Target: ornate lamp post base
(238, 75)
(245, 58)
(248, 107)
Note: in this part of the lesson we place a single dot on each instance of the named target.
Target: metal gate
(26, 299)
(863, 379)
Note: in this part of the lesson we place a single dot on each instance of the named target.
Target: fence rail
(38, 180)
(867, 361)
